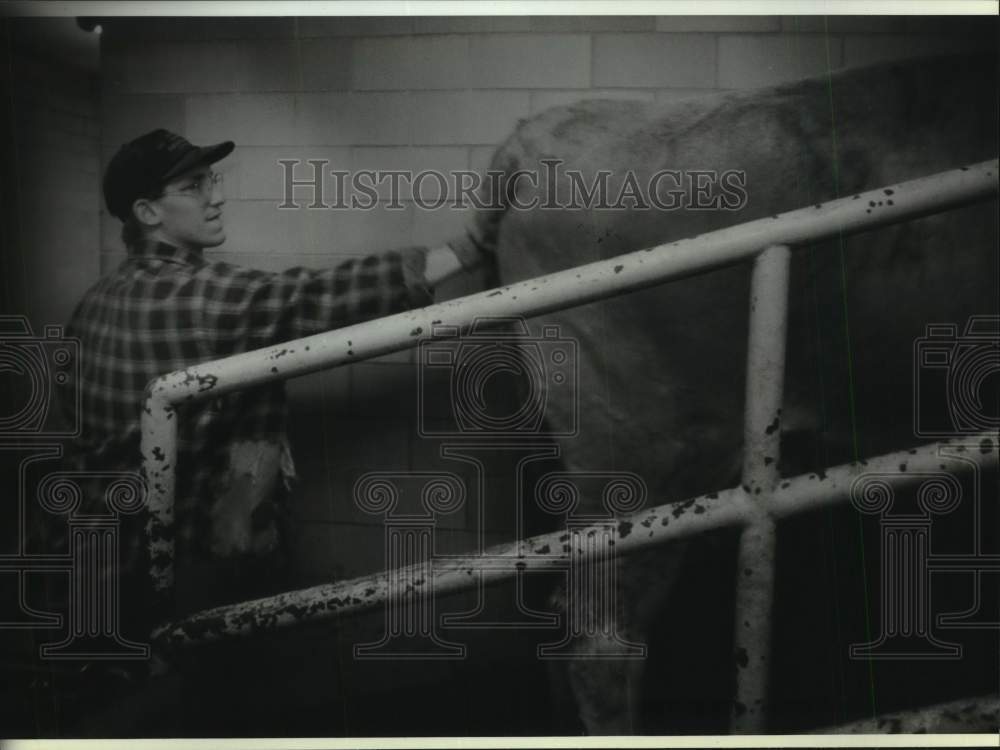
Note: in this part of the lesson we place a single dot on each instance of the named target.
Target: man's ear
(146, 212)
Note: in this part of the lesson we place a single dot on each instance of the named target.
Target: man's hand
(478, 246)
(474, 249)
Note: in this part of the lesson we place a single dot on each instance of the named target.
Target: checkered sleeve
(247, 309)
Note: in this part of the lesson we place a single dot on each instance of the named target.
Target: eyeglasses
(201, 187)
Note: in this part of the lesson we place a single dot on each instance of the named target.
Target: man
(167, 307)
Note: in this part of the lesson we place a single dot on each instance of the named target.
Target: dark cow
(662, 370)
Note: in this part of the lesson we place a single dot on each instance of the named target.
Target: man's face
(190, 210)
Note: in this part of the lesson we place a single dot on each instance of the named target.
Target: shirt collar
(166, 252)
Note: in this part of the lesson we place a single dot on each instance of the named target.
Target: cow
(661, 371)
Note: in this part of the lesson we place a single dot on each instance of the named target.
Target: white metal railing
(762, 498)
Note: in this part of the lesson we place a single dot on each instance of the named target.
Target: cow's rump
(661, 386)
(662, 369)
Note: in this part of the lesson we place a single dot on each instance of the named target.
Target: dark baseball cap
(143, 166)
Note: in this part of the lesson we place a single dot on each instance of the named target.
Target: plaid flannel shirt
(164, 309)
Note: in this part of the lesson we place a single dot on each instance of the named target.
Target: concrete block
(333, 551)
(60, 261)
(542, 100)
(352, 119)
(468, 118)
(53, 142)
(354, 232)
(842, 24)
(454, 541)
(566, 24)
(496, 501)
(345, 507)
(110, 235)
(480, 158)
(269, 65)
(436, 227)
(369, 441)
(461, 285)
(404, 357)
(109, 261)
(324, 64)
(426, 453)
(694, 24)
(422, 62)
(313, 493)
(530, 61)
(258, 227)
(654, 60)
(750, 61)
(673, 95)
(942, 25)
(57, 186)
(35, 116)
(262, 175)
(384, 390)
(78, 167)
(444, 161)
(51, 85)
(182, 67)
(864, 50)
(114, 68)
(56, 104)
(320, 392)
(470, 24)
(247, 119)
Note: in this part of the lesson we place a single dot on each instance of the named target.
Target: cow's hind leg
(605, 676)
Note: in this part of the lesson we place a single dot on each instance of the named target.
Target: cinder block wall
(51, 234)
(416, 93)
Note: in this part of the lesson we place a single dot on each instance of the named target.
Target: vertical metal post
(761, 445)
(158, 445)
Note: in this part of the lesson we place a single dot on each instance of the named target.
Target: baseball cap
(142, 166)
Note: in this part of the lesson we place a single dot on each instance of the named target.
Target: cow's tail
(494, 195)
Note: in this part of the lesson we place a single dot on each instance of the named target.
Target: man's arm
(251, 309)
(472, 249)
(441, 264)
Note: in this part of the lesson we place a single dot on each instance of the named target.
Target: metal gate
(755, 506)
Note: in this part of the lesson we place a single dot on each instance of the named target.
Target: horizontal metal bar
(980, 714)
(819, 490)
(582, 284)
(657, 525)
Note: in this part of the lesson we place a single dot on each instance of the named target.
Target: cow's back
(662, 370)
